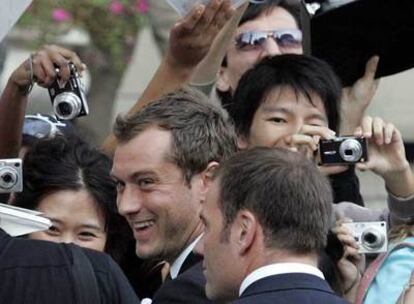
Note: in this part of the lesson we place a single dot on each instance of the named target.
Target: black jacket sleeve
(345, 187)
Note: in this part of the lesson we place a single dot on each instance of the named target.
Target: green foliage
(112, 24)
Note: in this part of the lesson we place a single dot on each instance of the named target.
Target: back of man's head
(303, 74)
(200, 130)
(286, 192)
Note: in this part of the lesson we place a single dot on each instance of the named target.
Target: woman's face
(75, 217)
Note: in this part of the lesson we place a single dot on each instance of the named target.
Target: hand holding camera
(387, 155)
(40, 67)
(371, 237)
(386, 147)
(352, 263)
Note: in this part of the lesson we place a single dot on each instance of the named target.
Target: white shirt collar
(278, 268)
(176, 266)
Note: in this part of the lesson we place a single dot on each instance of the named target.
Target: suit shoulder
(188, 287)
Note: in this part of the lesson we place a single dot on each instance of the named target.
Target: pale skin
(76, 218)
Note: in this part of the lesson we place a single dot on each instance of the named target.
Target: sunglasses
(288, 40)
(40, 126)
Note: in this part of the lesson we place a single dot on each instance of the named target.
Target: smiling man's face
(161, 207)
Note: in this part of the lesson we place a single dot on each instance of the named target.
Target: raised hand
(40, 67)
(386, 155)
(356, 99)
(191, 37)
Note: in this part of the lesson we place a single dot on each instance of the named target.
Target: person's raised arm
(356, 99)
(207, 71)
(40, 68)
(190, 41)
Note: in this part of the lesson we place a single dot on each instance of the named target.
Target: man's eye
(278, 120)
(145, 182)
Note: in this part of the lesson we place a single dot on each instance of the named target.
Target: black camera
(343, 150)
(11, 177)
(69, 99)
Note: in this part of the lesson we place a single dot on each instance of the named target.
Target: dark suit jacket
(40, 272)
(188, 287)
(292, 288)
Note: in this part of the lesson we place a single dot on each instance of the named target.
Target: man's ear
(207, 178)
(223, 83)
(245, 228)
(242, 142)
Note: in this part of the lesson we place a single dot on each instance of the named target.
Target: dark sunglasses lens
(251, 40)
(289, 40)
(36, 128)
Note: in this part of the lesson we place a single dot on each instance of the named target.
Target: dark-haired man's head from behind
(282, 94)
(267, 16)
(254, 214)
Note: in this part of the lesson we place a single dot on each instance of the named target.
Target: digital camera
(11, 178)
(370, 236)
(343, 150)
(68, 99)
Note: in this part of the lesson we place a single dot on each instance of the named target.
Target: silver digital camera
(343, 150)
(370, 236)
(11, 177)
(69, 100)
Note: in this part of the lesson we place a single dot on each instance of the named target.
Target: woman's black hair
(69, 163)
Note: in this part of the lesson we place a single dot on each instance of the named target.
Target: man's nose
(129, 201)
(271, 48)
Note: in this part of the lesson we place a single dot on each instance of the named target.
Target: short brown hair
(200, 130)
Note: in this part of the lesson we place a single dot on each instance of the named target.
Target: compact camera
(370, 236)
(343, 150)
(69, 99)
(11, 178)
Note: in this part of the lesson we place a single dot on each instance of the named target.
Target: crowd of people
(212, 188)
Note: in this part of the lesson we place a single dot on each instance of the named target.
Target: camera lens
(350, 150)
(8, 178)
(67, 106)
(371, 239)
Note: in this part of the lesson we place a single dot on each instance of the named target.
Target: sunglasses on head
(40, 126)
(287, 39)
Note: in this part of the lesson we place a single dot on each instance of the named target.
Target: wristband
(26, 90)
